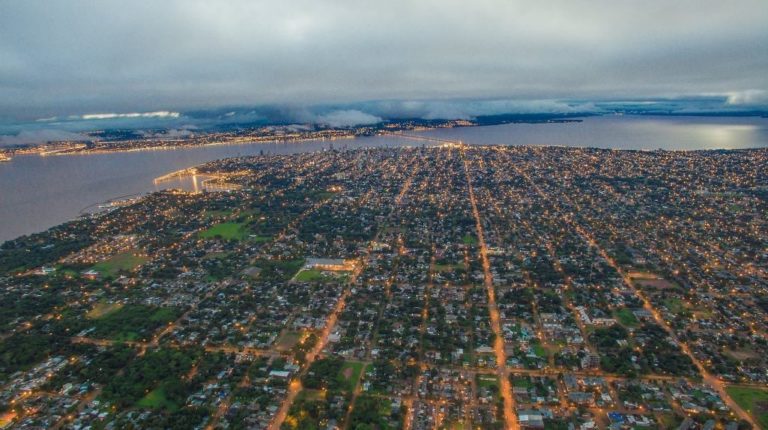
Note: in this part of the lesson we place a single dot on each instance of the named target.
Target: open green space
(350, 374)
(217, 255)
(153, 380)
(626, 317)
(156, 399)
(227, 231)
(518, 381)
(487, 381)
(539, 350)
(125, 261)
(448, 267)
(753, 400)
(133, 322)
(469, 239)
(458, 425)
(258, 238)
(103, 309)
(333, 373)
(674, 305)
(278, 270)
(311, 275)
(371, 412)
(311, 395)
(314, 275)
(288, 340)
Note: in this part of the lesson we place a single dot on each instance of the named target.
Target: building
(91, 274)
(530, 419)
(330, 264)
(581, 398)
(590, 361)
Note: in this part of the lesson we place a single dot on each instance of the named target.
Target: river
(37, 193)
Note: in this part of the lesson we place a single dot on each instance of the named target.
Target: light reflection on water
(39, 192)
(624, 132)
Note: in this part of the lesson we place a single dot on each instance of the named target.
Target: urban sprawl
(434, 287)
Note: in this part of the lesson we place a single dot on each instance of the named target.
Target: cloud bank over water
(39, 136)
(79, 57)
(158, 114)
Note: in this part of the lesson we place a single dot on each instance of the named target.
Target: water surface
(37, 193)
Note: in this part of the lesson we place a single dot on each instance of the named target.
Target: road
(708, 378)
(501, 357)
(295, 387)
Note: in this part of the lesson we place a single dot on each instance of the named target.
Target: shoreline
(186, 146)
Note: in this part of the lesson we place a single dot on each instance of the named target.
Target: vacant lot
(102, 309)
(126, 261)
(627, 318)
(310, 275)
(350, 374)
(314, 275)
(156, 399)
(226, 231)
(133, 322)
(753, 400)
(288, 340)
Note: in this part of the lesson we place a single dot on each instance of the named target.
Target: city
(444, 286)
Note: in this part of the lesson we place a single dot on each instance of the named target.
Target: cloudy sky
(73, 57)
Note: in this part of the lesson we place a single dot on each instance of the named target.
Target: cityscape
(384, 215)
(444, 286)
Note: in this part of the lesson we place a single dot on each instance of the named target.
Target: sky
(75, 58)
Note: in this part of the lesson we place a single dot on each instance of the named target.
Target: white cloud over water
(158, 114)
(748, 98)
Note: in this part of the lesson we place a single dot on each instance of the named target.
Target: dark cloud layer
(69, 57)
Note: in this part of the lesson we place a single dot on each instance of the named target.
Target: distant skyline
(71, 58)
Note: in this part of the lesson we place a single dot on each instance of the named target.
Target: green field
(539, 350)
(132, 322)
(350, 374)
(521, 382)
(674, 305)
(626, 317)
(469, 239)
(227, 231)
(314, 275)
(156, 399)
(278, 270)
(490, 383)
(310, 275)
(287, 340)
(371, 412)
(103, 309)
(753, 400)
(448, 267)
(125, 261)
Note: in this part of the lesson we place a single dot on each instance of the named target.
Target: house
(581, 398)
(46, 270)
(530, 419)
(91, 274)
(279, 374)
(590, 361)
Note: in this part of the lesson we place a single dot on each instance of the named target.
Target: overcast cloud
(74, 57)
